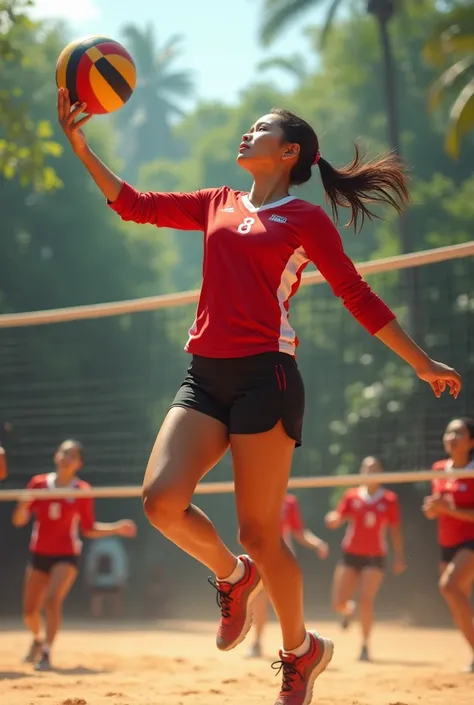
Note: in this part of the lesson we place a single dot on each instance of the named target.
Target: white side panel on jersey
(289, 278)
(75, 537)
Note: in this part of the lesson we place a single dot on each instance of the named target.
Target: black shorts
(247, 394)
(45, 563)
(448, 552)
(352, 560)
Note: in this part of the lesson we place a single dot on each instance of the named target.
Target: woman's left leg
(262, 463)
(62, 579)
(371, 580)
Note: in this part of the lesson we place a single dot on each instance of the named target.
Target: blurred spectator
(107, 573)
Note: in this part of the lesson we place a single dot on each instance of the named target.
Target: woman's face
(456, 438)
(68, 458)
(263, 146)
(370, 466)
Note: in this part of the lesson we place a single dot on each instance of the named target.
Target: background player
(55, 546)
(369, 510)
(292, 528)
(452, 504)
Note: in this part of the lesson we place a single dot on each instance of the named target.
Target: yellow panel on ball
(103, 91)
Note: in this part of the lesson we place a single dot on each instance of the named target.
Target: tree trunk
(409, 276)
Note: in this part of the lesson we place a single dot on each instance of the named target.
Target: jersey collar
(51, 481)
(448, 468)
(267, 206)
(370, 498)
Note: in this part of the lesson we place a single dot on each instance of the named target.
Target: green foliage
(26, 146)
(451, 44)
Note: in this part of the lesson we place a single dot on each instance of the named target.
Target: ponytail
(381, 181)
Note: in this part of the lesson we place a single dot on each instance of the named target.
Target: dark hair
(469, 424)
(380, 180)
(78, 447)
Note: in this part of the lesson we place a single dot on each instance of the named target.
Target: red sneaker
(235, 602)
(299, 673)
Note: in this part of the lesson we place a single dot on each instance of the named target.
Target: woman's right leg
(455, 585)
(188, 445)
(345, 583)
(36, 583)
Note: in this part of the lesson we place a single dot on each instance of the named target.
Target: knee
(365, 603)
(29, 611)
(163, 504)
(259, 540)
(338, 605)
(449, 588)
(53, 603)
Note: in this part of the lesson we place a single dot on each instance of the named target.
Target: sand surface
(177, 664)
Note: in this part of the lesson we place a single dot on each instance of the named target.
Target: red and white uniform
(368, 517)
(460, 494)
(58, 521)
(291, 520)
(253, 262)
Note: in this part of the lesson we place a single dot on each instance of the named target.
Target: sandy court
(170, 667)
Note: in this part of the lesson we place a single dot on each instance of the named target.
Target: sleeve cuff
(125, 200)
(376, 318)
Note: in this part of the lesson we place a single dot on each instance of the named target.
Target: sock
(350, 608)
(236, 575)
(301, 649)
(45, 649)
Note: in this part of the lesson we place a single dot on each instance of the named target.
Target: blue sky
(220, 45)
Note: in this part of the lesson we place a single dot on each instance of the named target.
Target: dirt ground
(177, 664)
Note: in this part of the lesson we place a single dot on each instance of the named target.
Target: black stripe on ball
(73, 63)
(114, 78)
(71, 70)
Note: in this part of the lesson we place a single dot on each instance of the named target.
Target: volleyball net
(106, 373)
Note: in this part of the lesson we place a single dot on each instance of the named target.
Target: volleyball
(98, 71)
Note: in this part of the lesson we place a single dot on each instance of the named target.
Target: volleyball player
(243, 389)
(368, 510)
(292, 529)
(55, 547)
(451, 503)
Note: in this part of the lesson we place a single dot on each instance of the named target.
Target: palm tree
(294, 65)
(452, 42)
(146, 120)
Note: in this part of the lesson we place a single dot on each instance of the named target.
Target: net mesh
(109, 381)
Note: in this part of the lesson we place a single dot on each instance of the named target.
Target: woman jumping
(452, 504)
(55, 547)
(369, 510)
(243, 389)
